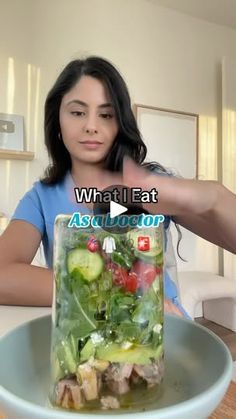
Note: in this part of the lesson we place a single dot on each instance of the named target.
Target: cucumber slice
(152, 256)
(89, 264)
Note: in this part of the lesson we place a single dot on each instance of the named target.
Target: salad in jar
(107, 334)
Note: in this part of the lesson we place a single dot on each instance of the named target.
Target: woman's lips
(91, 144)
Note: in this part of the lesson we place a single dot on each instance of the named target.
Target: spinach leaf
(128, 331)
(77, 316)
(148, 314)
(120, 306)
(147, 309)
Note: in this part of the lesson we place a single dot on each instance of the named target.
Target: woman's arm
(20, 282)
(206, 208)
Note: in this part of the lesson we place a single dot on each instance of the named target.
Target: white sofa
(214, 290)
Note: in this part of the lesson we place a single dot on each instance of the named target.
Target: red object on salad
(146, 273)
(144, 243)
(121, 277)
(92, 244)
(131, 283)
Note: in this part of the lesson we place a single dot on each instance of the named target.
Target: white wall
(168, 59)
(20, 93)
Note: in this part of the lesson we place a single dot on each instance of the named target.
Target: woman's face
(88, 121)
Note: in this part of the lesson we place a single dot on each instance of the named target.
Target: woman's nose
(90, 125)
(91, 130)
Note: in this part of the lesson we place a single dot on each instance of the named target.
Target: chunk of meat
(152, 373)
(109, 402)
(119, 387)
(135, 378)
(68, 394)
(118, 371)
(66, 400)
(77, 396)
(117, 377)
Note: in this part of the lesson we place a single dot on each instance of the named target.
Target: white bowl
(198, 372)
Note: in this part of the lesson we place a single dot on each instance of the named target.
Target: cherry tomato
(145, 272)
(131, 283)
(121, 277)
(119, 274)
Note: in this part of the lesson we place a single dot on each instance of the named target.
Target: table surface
(12, 316)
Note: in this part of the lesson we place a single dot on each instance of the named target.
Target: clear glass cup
(107, 331)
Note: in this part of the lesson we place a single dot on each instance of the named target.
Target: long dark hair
(128, 141)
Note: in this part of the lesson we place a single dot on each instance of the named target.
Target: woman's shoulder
(43, 188)
(42, 195)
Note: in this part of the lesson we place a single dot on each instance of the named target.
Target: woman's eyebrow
(80, 102)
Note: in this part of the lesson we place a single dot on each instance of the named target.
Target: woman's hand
(171, 308)
(206, 208)
(176, 196)
(135, 176)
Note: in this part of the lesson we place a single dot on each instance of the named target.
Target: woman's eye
(106, 115)
(77, 113)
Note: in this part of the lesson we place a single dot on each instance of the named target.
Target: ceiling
(221, 12)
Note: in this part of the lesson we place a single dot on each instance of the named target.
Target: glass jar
(107, 332)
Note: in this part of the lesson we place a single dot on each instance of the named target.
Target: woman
(93, 140)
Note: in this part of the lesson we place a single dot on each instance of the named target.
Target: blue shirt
(43, 203)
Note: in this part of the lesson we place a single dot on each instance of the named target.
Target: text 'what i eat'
(135, 195)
